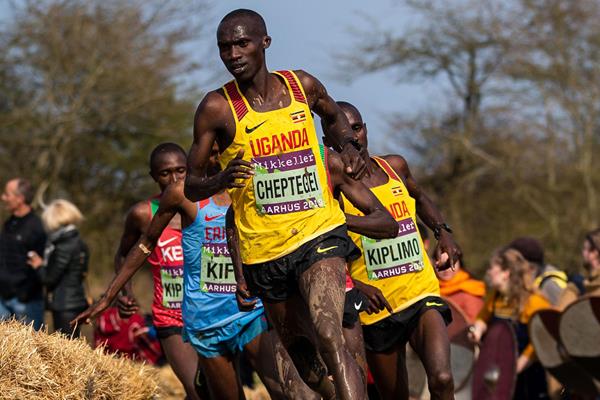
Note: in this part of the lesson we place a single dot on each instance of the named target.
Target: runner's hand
(447, 252)
(354, 164)
(236, 169)
(244, 300)
(92, 312)
(377, 301)
(127, 306)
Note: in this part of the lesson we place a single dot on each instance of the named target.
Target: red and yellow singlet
(399, 267)
(288, 201)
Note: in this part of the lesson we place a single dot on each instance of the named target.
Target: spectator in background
(129, 337)
(65, 263)
(512, 297)
(462, 289)
(548, 279)
(590, 283)
(20, 287)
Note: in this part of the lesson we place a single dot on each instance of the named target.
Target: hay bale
(38, 366)
(170, 387)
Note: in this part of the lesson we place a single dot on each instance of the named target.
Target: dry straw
(38, 366)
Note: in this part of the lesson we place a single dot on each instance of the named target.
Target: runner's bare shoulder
(214, 110)
(138, 215)
(398, 163)
(313, 88)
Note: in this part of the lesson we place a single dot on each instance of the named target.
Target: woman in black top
(64, 266)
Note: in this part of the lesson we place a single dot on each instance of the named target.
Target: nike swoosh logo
(433, 303)
(212, 217)
(320, 250)
(166, 242)
(250, 130)
(357, 306)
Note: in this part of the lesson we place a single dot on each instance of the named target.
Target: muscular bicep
(205, 133)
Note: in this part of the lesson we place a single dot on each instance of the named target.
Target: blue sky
(307, 35)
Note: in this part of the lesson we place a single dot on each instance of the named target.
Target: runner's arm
(211, 119)
(133, 229)
(138, 253)
(428, 213)
(377, 222)
(242, 295)
(135, 224)
(335, 124)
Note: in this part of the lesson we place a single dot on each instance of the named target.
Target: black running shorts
(384, 334)
(277, 280)
(166, 331)
(355, 303)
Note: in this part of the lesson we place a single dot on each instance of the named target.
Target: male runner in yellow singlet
(293, 238)
(398, 278)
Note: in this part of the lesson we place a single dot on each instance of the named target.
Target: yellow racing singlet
(399, 267)
(288, 201)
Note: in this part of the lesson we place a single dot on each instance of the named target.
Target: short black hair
(243, 13)
(167, 147)
(25, 189)
(344, 105)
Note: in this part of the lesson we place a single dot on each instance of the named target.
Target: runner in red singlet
(167, 165)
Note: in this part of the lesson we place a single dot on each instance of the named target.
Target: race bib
(216, 270)
(287, 183)
(172, 287)
(387, 258)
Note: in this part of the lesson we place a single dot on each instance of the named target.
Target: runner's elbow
(189, 192)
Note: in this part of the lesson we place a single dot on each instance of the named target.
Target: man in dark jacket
(20, 287)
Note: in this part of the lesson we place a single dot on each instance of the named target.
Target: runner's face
(359, 128)
(241, 49)
(11, 197)
(170, 168)
(497, 278)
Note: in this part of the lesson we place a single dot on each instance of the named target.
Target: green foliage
(87, 89)
(516, 153)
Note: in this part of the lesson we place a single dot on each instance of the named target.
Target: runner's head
(359, 128)
(510, 274)
(167, 164)
(591, 250)
(213, 166)
(242, 39)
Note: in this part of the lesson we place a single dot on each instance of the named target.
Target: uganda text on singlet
(399, 267)
(288, 201)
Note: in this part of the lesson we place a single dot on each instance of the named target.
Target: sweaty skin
(220, 372)
(242, 40)
(323, 303)
(168, 167)
(430, 338)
